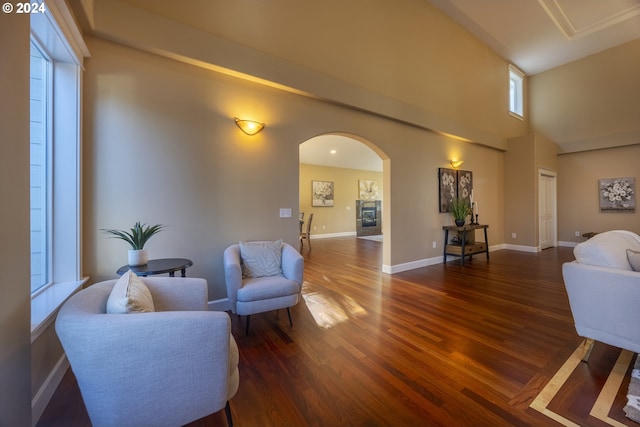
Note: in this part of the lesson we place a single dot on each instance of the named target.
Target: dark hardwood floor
(443, 345)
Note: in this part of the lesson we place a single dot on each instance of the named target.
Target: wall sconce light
(250, 127)
(456, 163)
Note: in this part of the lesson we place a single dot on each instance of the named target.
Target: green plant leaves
(137, 236)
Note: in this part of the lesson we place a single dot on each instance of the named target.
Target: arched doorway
(354, 169)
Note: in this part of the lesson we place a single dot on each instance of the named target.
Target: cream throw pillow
(634, 259)
(260, 259)
(130, 295)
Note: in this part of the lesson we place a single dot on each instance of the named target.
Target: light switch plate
(285, 213)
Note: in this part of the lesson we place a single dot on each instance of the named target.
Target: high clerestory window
(516, 92)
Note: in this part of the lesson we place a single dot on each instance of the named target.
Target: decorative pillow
(130, 295)
(634, 259)
(260, 259)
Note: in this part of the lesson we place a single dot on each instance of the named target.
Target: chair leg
(227, 411)
(587, 347)
(289, 314)
(246, 332)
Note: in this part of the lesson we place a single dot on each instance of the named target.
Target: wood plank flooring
(444, 345)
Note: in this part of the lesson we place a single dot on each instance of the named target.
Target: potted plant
(460, 209)
(137, 237)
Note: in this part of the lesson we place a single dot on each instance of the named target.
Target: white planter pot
(138, 257)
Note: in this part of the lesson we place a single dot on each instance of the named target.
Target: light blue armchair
(253, 295)
(165, 368)
(604, 291)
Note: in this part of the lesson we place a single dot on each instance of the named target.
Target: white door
(547, 209)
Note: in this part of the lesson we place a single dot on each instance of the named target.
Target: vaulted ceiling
(537, 35)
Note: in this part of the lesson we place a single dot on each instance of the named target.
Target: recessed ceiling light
(333, 151)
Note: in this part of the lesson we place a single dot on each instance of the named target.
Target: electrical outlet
(513, 235)
(434, 244)
(577, 234)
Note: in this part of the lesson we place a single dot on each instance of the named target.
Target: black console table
(468, 245)
(159, 266)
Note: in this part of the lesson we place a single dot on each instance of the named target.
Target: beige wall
(590, 103)
(412, 73)
(161, 146)
(15, 353)
(341, 218)
(403, 49)
(519, 191)
(524, 158)
(596, 98)
(578, 197)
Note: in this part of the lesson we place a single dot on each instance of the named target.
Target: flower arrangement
(618, 193)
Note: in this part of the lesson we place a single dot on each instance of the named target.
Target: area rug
(632, 409)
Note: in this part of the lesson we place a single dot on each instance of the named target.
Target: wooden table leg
(486, 242)
(446, 239)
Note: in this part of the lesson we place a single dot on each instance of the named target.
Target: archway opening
(344, 183)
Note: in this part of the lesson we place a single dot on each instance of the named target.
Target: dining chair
(306, 235)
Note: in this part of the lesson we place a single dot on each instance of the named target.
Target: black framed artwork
(453, 184)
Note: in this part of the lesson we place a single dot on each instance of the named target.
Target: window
(516, 92)
(40, 185)
(57, 54)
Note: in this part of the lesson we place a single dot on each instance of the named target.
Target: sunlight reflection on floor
(328, 312)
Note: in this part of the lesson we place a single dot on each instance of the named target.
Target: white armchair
(604, 291)
(164, 368)
(272, 291)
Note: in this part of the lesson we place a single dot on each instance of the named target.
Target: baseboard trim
(412, 265)
(43, 396)
(329, 235)
(521, 248)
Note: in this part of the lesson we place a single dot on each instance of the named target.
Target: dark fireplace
(369, 217)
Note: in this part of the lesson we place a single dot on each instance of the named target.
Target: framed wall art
(447, 189)
(367, 189)
(322, 193)
(617, 194)
(453, 184)
(465, 184)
